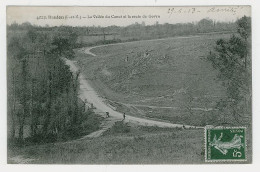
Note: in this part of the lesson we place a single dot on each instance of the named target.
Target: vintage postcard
(129, 85)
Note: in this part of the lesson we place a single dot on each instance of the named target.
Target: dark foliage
(42, 91)
(232, 58)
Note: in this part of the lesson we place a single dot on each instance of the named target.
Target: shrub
(120, 127)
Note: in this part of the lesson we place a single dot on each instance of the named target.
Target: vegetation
(141, 145)
(42, 91)
(168, 79)
(180, 78)
(141, 31)
(119, 127)
(138, 146)
(95, 35)
(232, 58)
(173, 82)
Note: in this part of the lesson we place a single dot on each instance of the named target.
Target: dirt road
(87, 92)
(87, 50)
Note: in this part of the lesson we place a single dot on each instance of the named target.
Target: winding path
(88, 93)
(87, 50)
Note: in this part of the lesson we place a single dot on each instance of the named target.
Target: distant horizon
(97, 16)
(139, 23)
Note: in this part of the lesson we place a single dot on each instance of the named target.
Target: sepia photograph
(129, 85)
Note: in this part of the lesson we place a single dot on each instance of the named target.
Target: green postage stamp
(225, 144)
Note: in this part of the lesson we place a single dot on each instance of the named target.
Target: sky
(121, 16)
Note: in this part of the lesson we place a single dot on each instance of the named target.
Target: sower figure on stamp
(107, 114)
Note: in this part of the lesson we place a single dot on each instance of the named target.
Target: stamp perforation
(224, 160)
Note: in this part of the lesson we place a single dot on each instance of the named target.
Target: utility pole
(104, 35)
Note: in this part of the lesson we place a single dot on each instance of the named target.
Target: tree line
(42, 91)
(136, 31)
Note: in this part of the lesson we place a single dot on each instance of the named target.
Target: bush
(91, 123)
(152, 129)
(120, 127)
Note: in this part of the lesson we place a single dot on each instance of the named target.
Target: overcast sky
(161, 14)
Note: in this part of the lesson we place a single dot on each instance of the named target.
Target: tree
(62, 44)
(32, 35)
(244, 27)
(24, 97)
(232, 59)
(205, 25)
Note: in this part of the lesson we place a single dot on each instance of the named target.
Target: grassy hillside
(124, 143)
(138, 146)
(164, 79)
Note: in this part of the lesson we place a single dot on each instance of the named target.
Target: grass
(174, 74)
(125, 143)
(138, 146)
(118, 127)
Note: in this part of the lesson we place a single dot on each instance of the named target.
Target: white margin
(255, 4)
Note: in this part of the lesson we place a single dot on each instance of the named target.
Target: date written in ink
(182, 10)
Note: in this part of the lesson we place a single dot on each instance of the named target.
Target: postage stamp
(225, 144)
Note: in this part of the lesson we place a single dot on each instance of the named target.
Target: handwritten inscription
(232, 10)
(193, 10)
(182, 10)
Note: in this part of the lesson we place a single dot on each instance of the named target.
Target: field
(93, 39)
(137, 146)
(124, 143)
(168, 79)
